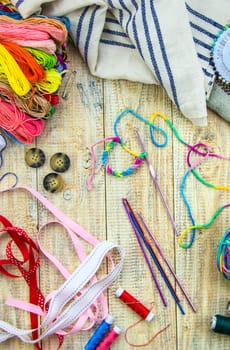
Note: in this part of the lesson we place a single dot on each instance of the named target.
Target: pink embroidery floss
(109, 339)
(19, 124)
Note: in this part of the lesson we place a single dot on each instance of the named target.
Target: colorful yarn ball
(110, 145)
(223, 255)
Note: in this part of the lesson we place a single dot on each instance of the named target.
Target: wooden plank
(77, 123)
(21, 212)
(197, 266)
(87, 116)
(140, 191)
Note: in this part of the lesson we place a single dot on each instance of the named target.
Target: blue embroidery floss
(221, 324)
(99, 333)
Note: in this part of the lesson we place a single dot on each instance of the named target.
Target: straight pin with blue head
(99, 333)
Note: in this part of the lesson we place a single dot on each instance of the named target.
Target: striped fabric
(150, 41)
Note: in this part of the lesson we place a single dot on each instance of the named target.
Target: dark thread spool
(134, 304)
(221, 324)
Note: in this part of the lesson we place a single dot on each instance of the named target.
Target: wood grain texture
(87, 116)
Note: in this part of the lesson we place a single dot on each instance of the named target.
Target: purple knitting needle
(155, 179)
(167, 262)
(144, 254)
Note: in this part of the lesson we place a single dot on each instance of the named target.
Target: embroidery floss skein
(20, 125)
(8, 9)
(34, 28)
(28, 64)
(10, 70)
(33, 103)
(99, 333)
(34, 76)
(134, 304)
(45, 59)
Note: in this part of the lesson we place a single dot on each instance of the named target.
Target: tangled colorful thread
(110, 145)
(223, 255)
(199, 149)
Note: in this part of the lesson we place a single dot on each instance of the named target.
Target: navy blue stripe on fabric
(129, 12)
(134, 27)
(88, 37)
(203, 17)
(79, 27)
(121, 17)
(202, 30)
(18, 3)
(135, 4)
(149, 42)
(203, 57)
(111, 3)
(201, 43)
(208, 74)
(115, 32)
(116, 43)
(164, 54)
(112, 20)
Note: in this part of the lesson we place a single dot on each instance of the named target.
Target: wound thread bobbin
(134, 304)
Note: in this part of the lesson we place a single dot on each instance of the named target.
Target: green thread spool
(221, 324)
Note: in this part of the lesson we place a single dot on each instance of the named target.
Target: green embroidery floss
(221, 324)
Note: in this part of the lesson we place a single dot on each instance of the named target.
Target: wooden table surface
(87, 116)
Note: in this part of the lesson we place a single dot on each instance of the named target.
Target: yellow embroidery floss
(10, 70)
(52, 82)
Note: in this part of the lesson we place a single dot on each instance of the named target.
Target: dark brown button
(60, 162)
(35, 157)
(53, 182)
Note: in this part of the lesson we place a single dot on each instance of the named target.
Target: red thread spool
(109, 339)
(134, 304)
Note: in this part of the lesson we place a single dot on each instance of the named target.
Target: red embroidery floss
(134, 304)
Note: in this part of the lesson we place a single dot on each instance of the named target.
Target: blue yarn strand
(182, 186)
(147, 122)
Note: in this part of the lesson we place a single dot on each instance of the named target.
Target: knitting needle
(154, 257)
(155, 179)
(166, 261)
(145, 255)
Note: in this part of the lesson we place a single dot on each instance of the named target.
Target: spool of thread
(99, 333)
(134, 304)
(221, 324)
(109, 339)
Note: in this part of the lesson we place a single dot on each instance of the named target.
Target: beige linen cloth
(150, 41)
